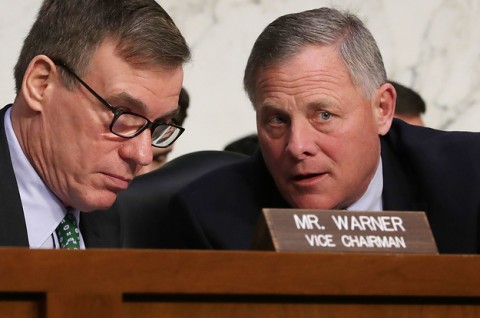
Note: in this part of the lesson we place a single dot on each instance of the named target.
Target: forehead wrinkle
(315, 93)
(275, 79)
(158, 71)
(325, 76)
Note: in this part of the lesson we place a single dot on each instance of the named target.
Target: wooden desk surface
(213, 272)
(171, 283)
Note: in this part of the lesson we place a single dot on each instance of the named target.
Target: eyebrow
(270, 108)
(138, 105)
(129, 100)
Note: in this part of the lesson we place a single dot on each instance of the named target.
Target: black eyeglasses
(128, 125)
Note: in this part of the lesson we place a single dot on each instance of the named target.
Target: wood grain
(170, 283)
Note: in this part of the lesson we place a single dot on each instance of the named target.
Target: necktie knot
(68, 233)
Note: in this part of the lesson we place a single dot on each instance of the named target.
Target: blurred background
(431, 46)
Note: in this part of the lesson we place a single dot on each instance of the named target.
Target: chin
(311, 202)
(99, 203)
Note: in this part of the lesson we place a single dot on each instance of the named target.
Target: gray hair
(71, 31)
(288, 34)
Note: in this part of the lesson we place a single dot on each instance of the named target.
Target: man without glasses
(328, 140)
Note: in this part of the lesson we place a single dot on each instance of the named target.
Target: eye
(276, 120)
(325, 115)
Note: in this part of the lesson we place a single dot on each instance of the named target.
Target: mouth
(302, 177)
(118, 182)
(308, 179)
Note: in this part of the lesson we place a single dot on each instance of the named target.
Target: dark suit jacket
(98, 230)
(423, 170)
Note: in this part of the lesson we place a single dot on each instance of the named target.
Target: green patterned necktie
(68, 233)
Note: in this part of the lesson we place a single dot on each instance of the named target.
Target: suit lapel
(13, 230)
(400, 191)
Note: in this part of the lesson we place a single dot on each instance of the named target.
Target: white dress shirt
(371, 200)
(43, 211)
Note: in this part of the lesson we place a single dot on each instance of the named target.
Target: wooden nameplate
(301, 230)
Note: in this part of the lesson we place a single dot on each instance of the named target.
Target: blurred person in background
(410, 105)
(160, 155)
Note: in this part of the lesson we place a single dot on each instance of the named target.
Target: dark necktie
(68, 233)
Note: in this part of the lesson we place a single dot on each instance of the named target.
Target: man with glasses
(97, 86)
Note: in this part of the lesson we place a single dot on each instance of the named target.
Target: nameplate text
(343, 231)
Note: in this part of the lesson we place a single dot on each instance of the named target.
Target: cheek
(357, 156)
(345, 149)
(271, 148)
(272, 154)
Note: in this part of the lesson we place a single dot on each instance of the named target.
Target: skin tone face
(318, 133)
(65, 133)
(159, 159)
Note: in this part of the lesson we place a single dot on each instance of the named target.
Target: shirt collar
(371, 200)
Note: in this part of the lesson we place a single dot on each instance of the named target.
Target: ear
(37, 80)
(384, 107)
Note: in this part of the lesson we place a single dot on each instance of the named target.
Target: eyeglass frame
(117, 112)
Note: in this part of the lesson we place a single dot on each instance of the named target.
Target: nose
(138, 149)
(301, 140)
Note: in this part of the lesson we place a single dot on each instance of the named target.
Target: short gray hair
(288, 34)
(71, 30)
